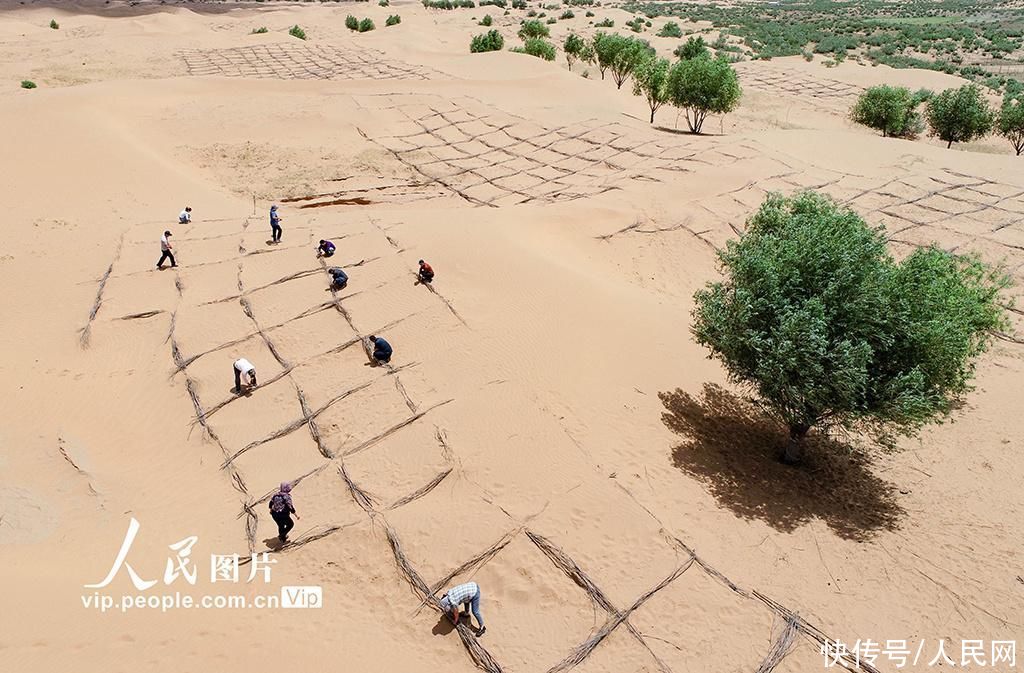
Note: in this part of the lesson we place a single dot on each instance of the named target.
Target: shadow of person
(274, 543)
(733, 448)
(443, 627)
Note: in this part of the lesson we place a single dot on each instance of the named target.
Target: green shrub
(487, 20)
(567, 14)
(28, 84)
(1010, 124)
(695, 47)
(351, 22)
(702, 86)
(552, 20)
(533, 29)
(636, 25)
(518, 4)
(891, 110)
(573, 48)
(538, 47)
(604, 23)
(532, 12)
(670, 29)
(54, 24)
(490, 41)
(295, 31)
(496, 3)
(960, 115)
(259, 31)
(393, 20)
(384, 3)
(366, 25)
(589, 14)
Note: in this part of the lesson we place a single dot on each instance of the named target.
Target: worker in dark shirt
(426, 272)
(381, 349)
(339, 279)
(326, 249)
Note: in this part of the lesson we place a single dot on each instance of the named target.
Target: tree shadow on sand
(733, 448)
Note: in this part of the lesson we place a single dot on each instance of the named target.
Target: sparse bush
(295, 31)
(538, 47)
(605, 23)
(384, 3)
(28, 84)
(636, 25)
(670, 29)
(702, 86)
(960, 115)
(518, 4)
(808, 55)
(54, 24)
(366, 25)
(490, 41)
(259, 31)
(495, 3)
(552, 20)
(567, 14)
(487, 20)
(694, 47)
(351, 22)
(817, 318)
(532, 13)
(589, 14)
(393, 20)
(533, 29)
(1011, 122)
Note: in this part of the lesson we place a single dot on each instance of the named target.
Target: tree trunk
(949, 144)
(652, 119)
(794, 452)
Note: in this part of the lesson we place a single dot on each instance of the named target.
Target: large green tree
(573, 48)
(1011, 122)
(960, 115)
(818, 319)
(703, 86)
(694, 47)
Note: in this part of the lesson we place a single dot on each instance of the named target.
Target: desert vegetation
(295, 31)
(829, 331)
(489, 41)
(891, 110)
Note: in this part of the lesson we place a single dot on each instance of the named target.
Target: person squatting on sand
(339, 279)
(381, 349)
(467, 595)
(275, 224)
(281, 509)
(426, 272)
(165, 251)
(243, 367)
(325, 249)
(186, 215)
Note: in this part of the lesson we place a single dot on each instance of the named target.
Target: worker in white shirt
(165, 250)
(186, 215)
(244, 368)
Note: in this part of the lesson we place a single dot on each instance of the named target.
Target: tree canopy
(533, 29)
(830, 331)
(650, 79)
(960, 115)
(1011, 122)
(891, 110)
(702, 86)
(573, 48)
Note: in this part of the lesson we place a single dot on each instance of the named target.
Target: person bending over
(426, 272)
(467, 595)
(339, 279)
(325, 249)
(381, 350)
(244, 370)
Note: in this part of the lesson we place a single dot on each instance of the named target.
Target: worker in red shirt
(426, 272)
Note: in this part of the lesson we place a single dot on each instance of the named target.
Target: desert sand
(548, 428)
